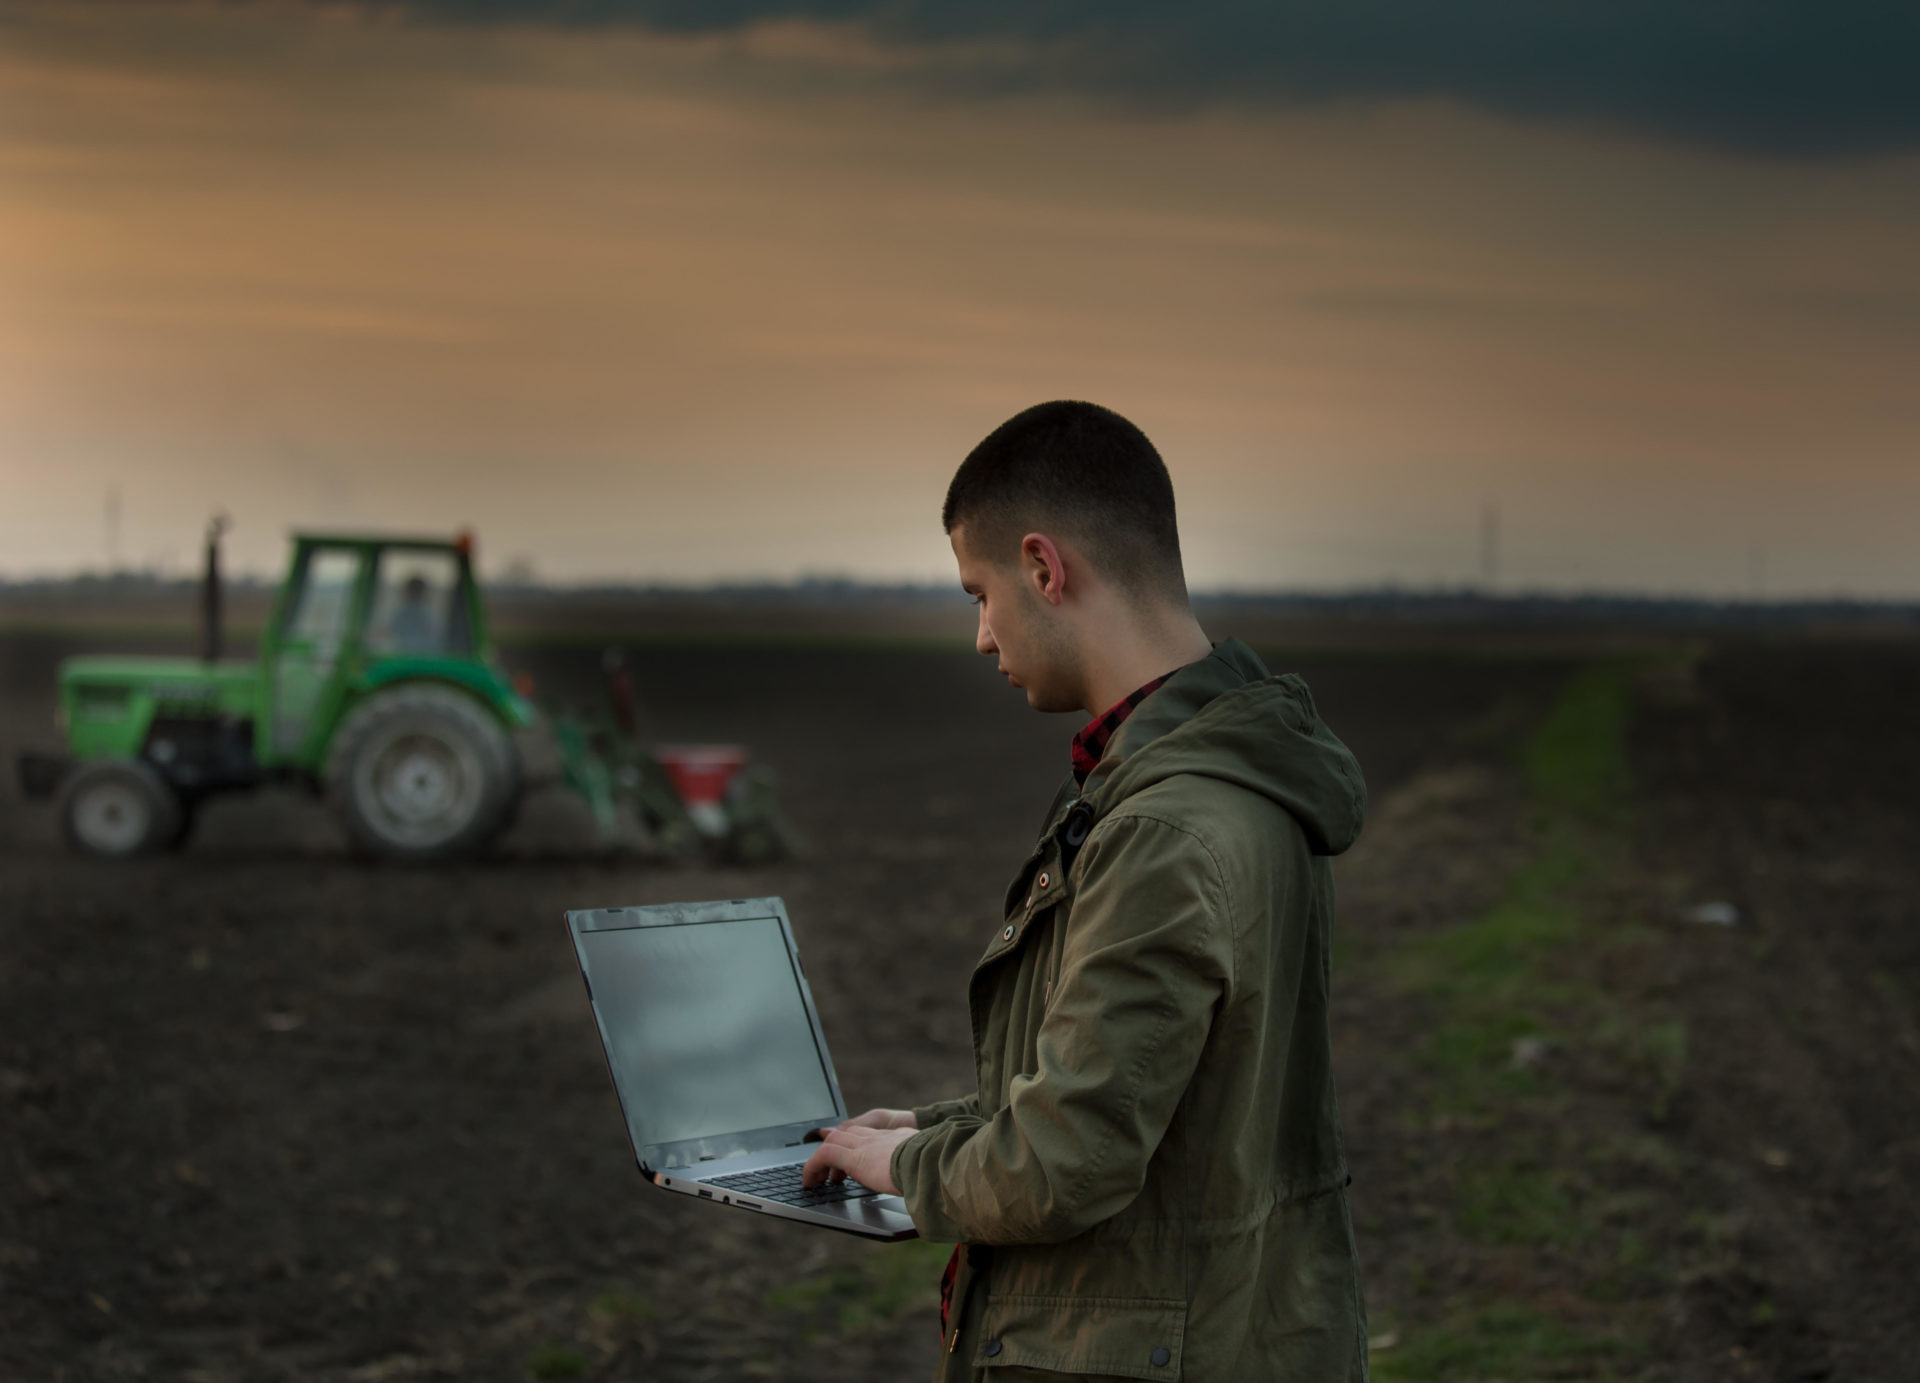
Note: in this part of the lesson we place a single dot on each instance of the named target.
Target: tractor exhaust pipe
(212, 642)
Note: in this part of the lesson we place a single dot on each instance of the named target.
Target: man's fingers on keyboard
(821, 1165)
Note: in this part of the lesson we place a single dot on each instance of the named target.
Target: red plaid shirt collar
(1094, 736)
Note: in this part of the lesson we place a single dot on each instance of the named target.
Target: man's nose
(983, 641)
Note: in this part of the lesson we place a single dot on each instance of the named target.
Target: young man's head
(1062, 522)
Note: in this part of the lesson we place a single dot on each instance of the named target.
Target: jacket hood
(1226, 717)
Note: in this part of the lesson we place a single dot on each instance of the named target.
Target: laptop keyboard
(783, 1184)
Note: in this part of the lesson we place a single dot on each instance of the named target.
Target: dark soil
(1786, 780)
(267, 1113)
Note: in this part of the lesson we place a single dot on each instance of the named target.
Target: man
(1149, 1181)
(414, 626)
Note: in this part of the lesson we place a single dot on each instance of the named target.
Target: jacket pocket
(1120, 1337)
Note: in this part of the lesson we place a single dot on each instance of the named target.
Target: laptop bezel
(692, 1152)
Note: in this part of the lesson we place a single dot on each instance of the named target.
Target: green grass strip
(1491, 983)
(1575, 761)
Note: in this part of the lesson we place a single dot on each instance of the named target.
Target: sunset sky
(677, 292)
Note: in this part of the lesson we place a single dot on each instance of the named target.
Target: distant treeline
(1481, 607)
(1466, 606)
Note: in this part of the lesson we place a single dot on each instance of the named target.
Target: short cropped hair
(1084, 472)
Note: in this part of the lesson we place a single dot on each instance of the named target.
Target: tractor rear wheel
(119, 808)
(422, 772)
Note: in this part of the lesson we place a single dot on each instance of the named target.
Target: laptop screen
(706, 1030)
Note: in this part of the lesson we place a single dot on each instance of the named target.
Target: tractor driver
(414, 626)
(1148, 1180)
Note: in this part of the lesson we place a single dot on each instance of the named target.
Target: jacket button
(993, 1348)
(1007, 935)
(1161, 1357)
(1045, 879)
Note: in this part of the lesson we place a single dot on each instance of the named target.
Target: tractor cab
(358, 614)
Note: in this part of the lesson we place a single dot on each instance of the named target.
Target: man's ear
(1041, 564)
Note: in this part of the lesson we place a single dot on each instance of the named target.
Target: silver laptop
(718, 1059)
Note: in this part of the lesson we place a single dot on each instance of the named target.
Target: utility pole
(1489, 546)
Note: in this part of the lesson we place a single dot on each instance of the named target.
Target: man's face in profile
(1018, 629)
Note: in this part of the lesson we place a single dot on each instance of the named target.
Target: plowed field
(269, 1113)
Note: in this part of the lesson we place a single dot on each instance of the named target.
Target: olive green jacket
(1150, 1180)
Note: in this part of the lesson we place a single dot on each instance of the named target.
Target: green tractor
(376, 685)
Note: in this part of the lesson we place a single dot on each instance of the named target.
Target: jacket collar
(1076, 807)
(1231, 664)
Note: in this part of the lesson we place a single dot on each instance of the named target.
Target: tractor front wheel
(422, 773)
(119, 808)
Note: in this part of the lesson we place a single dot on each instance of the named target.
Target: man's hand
(860, 1150)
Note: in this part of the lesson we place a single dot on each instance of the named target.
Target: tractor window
(417, 605)
(319, 617)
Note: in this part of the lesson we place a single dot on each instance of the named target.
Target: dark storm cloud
(1803, 79)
